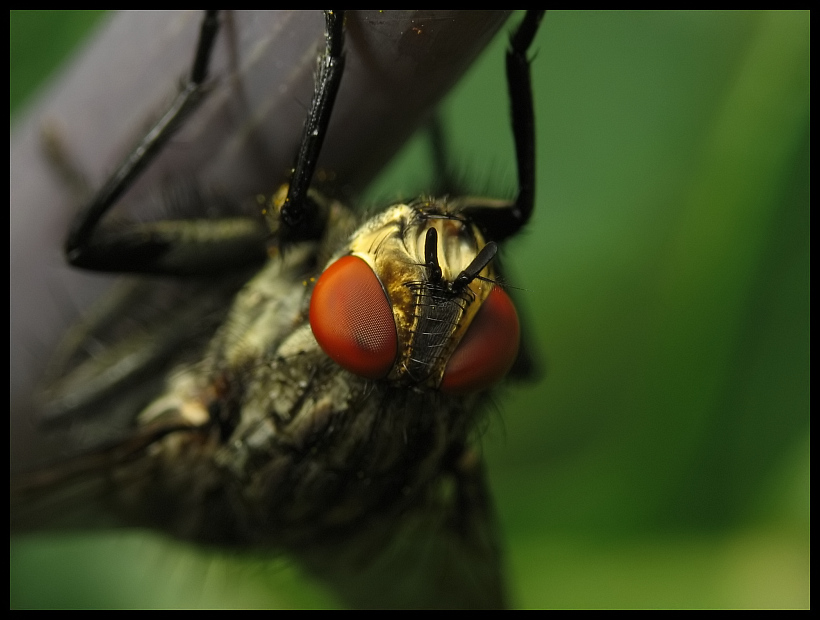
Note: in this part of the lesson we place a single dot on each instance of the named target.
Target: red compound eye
(352, 320)
(488, 349)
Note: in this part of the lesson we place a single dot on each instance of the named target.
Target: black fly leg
(300, 215)
(170, 247)
(523, 116)
(501, 219)
(498, 220)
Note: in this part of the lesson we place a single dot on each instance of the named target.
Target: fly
(321, 404)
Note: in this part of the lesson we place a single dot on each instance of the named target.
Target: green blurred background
(663, 461)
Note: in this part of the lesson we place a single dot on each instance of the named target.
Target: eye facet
(352, 320)
(488, 349)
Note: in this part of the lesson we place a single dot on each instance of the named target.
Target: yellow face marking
(393, 244)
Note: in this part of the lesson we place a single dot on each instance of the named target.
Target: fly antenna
(431, 255)
(472, 270)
